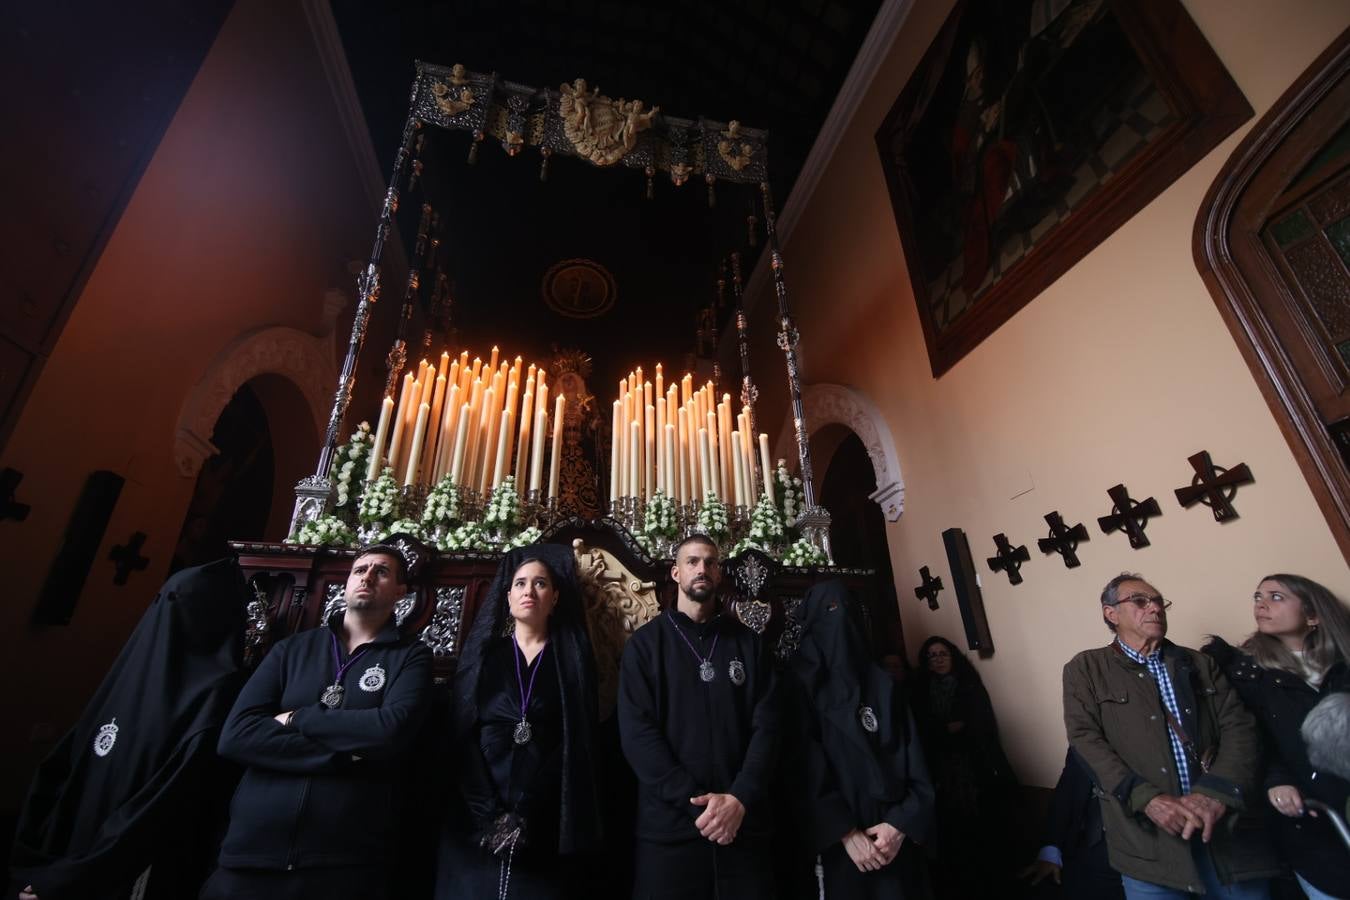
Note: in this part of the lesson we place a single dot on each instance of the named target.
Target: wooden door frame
(1235, 267)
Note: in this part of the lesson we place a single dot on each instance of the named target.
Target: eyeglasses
(1142, 601)
(939, 654)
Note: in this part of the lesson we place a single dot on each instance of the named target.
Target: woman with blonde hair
(1299, 653)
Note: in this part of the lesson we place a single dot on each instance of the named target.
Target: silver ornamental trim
(372, 679)
(106, 738)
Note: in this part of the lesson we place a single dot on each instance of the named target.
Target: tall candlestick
(724, 446)
(682, 447)
(704, 463)
(649, 449)
(381, 432)
(663, 465)
(487, 441)
(415, 448)
(503, 448)
(767, 468)
(555, 463)
(461, 445)
(537, 451)
(686, 389)
(477, 367)
(714, 467)
(445, 444)
(428, 464)
(660, 382)
(523, 444)
(671, 486)
(471, 437)
(428, 380)
(635, 440)
(400, 431)
(738, 479)
(614, 454)
(492, 364)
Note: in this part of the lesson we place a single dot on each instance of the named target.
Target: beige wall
(246, 214)
(1118, 372)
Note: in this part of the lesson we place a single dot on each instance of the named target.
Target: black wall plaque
(65, 581)
(967, 591)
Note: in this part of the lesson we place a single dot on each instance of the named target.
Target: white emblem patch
(736, 671)
(106, 737)
(372, 679)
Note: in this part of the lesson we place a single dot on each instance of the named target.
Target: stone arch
(303, 359)
(830, 405)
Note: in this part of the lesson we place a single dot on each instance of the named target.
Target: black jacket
(1074, 822)
(1280, 701)
(685, 737)
(321, 791)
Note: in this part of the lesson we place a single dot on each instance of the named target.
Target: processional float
(460, 448)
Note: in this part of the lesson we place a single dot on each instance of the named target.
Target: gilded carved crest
(617, 604)
(451, 102)
(735, 152)
(602, 130)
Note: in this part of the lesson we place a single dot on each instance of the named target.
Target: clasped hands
(721, 817)
(1183, 816)
(875, 847)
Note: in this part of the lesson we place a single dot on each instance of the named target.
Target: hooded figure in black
(522, 722)
(137, 782)
(863, 791)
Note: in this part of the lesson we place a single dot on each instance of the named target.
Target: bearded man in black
(698, 719)
(325, 727)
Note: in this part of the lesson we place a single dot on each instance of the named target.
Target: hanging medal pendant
(706, 670)
(332, 696)
(868, 719)
(523, 733)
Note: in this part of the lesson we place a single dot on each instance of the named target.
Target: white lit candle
(705, 473)
(381, 432)
(555, 464)
(415, 448)
(767, 468)
(461, 445)
(736, 460)
(400, 432)
(537, 451)
(614, 445)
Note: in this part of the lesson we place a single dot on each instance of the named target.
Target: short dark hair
(1111, 593)
(1325, 731)
(401, 570)
(695, 538)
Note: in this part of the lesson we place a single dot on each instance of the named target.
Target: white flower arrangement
(442, 505)
(328, 531)
(469, 536)
(524, 538)
(766, 532)
(659, 520)
(503, 508)
(713, 519)
(805, 554)
(350, 465)
(402, 526)
(791, 493)
(382, 500)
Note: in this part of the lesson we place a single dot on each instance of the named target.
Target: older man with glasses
(1174, 754)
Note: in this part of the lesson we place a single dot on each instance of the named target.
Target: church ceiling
(507, 235)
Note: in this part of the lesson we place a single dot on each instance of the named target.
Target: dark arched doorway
(858, 528)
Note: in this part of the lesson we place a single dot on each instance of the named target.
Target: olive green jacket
(1117, 722)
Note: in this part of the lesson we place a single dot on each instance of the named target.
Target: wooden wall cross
(9, 507)
(1129, 516)
(1214, 486)
(1009, 558)
(1063, 539)
(128, 558)
(929, 589)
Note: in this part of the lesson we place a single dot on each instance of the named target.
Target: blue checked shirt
(1158, 670)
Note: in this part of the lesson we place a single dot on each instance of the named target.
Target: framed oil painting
(1028, 133)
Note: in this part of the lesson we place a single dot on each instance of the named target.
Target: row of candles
(682, 442)
(459, 418)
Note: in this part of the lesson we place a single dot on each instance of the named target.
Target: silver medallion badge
(522, 733)
(736, 672)
(706, 670)
(868, 719)
(332, 696)
(106, 737)
(372, 679)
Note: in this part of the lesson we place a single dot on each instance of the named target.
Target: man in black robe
(698, 718)
(861, 787)
(325, 728)
(112, 798)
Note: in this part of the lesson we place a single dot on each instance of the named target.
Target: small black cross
(1214, 486)
(9, 507)
(1129, 516)
(128, 558)
(1063, 539)
(1009, 558)
(929, 589)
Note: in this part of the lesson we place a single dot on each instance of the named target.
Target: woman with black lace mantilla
(521, 725)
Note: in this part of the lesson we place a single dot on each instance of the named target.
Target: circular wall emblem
(579, 289)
